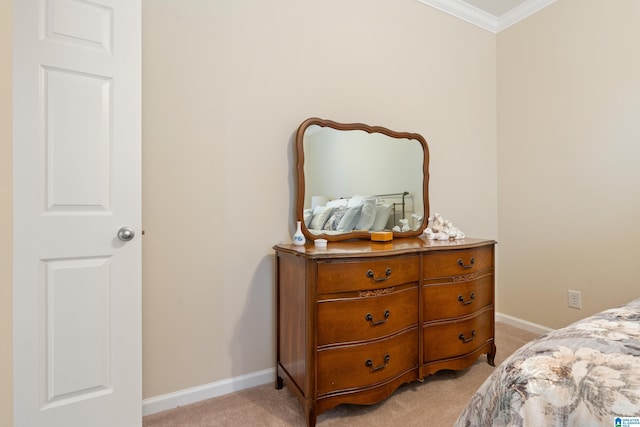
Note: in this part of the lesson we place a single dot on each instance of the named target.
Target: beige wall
(225, 84)
(568, 149)
(6, 209)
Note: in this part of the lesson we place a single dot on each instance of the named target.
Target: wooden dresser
(358, 319)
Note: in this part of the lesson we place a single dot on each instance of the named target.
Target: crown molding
(485, 20)
(466, 12)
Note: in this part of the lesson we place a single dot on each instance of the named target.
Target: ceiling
(496, 8)
(492, 15)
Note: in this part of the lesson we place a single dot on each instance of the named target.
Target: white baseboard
(522, 324)
(206, 391)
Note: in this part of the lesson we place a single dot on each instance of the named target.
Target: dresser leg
(492, 355)
(311, 416)
(279, 382)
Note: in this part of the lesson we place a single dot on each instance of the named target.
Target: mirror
(354, 179)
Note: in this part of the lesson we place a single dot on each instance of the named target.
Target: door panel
(77, 336)
(86, 24)
(77, 164)
(77, 140)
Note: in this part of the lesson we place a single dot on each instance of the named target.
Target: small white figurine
(417, 221)
(404, 225)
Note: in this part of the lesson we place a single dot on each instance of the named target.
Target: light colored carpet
(436, 402)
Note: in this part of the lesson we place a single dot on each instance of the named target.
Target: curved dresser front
(359, 318)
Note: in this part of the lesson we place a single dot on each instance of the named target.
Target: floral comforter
(587, 374)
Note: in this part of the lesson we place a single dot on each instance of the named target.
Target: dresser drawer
(453, 339)
(355, 366)
(457, 262)
(375, 273)
(358, 319)
(457, 299)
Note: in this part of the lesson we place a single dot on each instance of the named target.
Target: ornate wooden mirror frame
(413, 168)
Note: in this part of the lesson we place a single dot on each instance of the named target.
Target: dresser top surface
(358, 248)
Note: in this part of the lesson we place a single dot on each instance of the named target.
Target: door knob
(126, 233)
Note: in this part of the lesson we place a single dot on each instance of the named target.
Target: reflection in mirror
(354, 179)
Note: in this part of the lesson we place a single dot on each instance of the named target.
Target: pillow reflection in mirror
(335, 218)
(357, 200)
(367, 214)
(320, 216)
(350, 218)
(307, 215)
(337, 203)
(382, 216)
(342, 218)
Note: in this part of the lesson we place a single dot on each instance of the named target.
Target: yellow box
(382, 236)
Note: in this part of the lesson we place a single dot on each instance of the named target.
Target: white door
(77, 164)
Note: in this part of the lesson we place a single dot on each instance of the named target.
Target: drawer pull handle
(462, 264)
(462, 338)
(387, 273)
(472, 297)
(369, 318)
(372, 368)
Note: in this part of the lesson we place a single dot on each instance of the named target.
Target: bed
(586, 374)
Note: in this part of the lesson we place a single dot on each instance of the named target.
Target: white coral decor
(441, 229)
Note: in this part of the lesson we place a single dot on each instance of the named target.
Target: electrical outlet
(575, 299)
